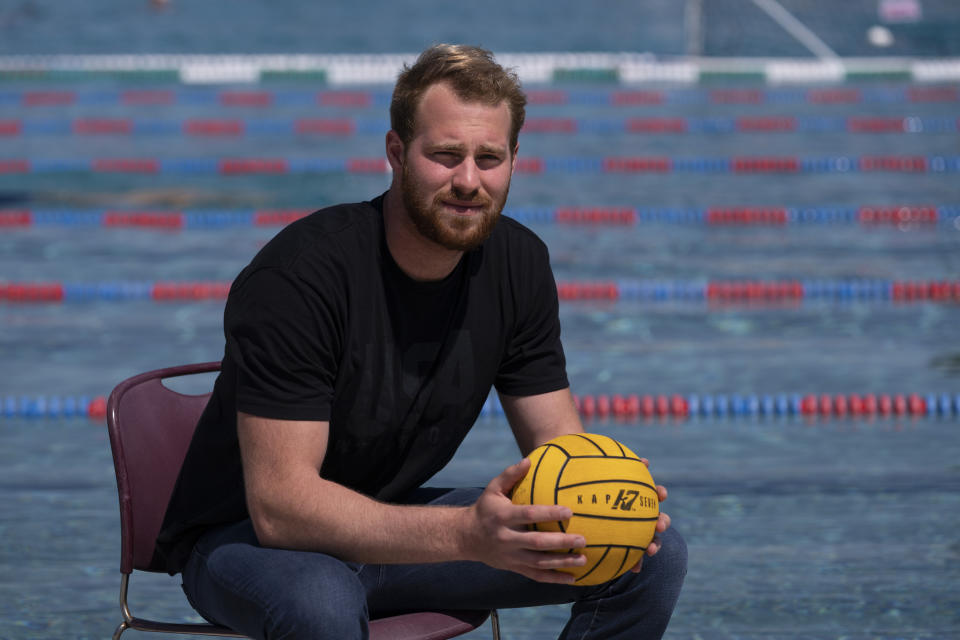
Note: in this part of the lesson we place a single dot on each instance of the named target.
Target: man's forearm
(333, 519)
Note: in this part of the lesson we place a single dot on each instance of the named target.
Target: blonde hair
(473, 75)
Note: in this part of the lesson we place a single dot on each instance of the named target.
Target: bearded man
(361, 344)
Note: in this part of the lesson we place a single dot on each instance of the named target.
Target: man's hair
(473, 75)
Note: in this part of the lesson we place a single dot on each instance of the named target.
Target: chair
(150, 428)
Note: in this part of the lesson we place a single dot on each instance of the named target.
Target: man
(361, 343)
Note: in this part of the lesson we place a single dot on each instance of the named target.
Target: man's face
(457, 168)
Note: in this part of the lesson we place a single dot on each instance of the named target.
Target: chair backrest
(150, 428)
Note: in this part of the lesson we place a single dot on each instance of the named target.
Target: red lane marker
(876, 125)
(899, 404)
(898, 215)
(548, 97)
(148, 97)
(633, 405)
(933, 94)
(657, 125)
(530, 165)
(856, 405)
(126, 165)
(908, 164)
(753, 164)
(826, 404)
(588, 291)
(246, 98)
(840, 404)
(164, 291)
(606, 216)
(626, 98)
(153, 219)
(754, 290)
(279, 217)
(916, 405)
(102, 126)
(679, 407)
(214, 127)
(550, 125)
(10, 127)
(651, 164)
(588, 406)
(747, 215)
(603, 406)
(344, 98)
(661, 405)
(48, 98)
(233, 166)
(884, 404)
(327, 126)
(16, 218)
(31, 292)
(367, 165)
(620, 407)
(834, 96)
(14, 166)
(97, 409)
(924, 290)
(648, 406)
(766, 123)
(737, 96)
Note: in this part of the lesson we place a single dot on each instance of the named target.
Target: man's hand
(497, 532)
(663, 523)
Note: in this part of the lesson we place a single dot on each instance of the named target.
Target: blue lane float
(52, 96)
(621, 407)
(904, 216)
(634, 165)
(717, 293)
(273, 127)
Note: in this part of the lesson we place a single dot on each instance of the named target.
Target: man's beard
(451, 232)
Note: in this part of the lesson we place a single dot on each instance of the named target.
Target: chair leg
(124, 607)
(123, 626)
(495, 624)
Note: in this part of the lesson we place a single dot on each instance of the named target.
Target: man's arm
(291, 506)
(536, 419)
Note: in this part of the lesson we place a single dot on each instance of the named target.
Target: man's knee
(307, 609)
(672, 555)
(269, 593)
(662, 573)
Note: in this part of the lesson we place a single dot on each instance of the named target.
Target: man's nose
(466, 178)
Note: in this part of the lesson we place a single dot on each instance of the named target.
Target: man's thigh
(230, 579)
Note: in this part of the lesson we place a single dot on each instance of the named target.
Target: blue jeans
(276, 593)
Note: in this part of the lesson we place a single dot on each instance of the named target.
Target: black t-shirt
(323, 325)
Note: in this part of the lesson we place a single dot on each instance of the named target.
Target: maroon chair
(150, 429)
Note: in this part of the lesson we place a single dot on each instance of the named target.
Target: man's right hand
(496, 532)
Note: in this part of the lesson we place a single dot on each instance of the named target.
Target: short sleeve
(534, 361)
(283, 337)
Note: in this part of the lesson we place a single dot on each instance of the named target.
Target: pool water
(798, 526)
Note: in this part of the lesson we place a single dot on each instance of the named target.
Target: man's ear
(513, 160)
(395, 151)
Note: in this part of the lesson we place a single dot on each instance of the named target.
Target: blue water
(798, 528)
(733, 27)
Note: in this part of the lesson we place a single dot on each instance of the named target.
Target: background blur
(675, 153)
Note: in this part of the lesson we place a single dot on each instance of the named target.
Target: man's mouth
(464, 207)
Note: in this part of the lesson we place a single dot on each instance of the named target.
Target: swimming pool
(660, 205)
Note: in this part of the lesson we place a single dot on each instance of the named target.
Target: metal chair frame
(139, 524)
